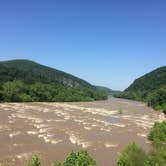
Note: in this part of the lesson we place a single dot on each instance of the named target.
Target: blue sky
(106, 42)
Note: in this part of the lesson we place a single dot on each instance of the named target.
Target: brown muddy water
(53, 130)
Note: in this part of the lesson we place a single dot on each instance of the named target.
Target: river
(53, 130)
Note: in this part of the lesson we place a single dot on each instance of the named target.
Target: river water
(53, 130)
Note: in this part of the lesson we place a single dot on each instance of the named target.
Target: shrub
(158, 156)
(157, 99)
(35, 161)
(158, 132)
(25, 97)
(133, 155)
(81, 158)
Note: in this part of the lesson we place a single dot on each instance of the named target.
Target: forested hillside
(31, 72)
(24, 80)
(107, 90)
(150, 88)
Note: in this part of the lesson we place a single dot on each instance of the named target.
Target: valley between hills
(50, 113)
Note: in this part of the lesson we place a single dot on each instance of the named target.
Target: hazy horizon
(107, 43)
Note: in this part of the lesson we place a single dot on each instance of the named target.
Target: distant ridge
(108, 90)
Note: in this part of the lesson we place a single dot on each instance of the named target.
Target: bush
(158, 132)
(81, 158)
(133, 155)
(25, 97)
(35, 161)
(157, 99)
(158, 156)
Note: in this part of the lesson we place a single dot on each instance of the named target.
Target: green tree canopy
(133, 155)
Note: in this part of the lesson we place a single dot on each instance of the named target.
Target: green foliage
(133, 155)
(17, 91)
(31, 72)
(158, 132)
(25, 97)
(35, 161)
(81, 158)
(157, 99)
(150, 88)
(128, 95)
(11, 90)
(157, 157)
(26, 81)
(148, 83)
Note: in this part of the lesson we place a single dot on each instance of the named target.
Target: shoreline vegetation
(27, 81)
(150, 88)
(18, 91)
(155, 99)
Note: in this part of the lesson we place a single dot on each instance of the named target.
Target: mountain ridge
(150, 88)
(53, 75)
(30, 81)
(157, 76)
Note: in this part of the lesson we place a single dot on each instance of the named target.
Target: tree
(81, 158)
(158, 132)
(157, 99)
(12, 90)
(35, 161)
(157, 157)
(25, 97)
(133, 155)
(40, 92)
